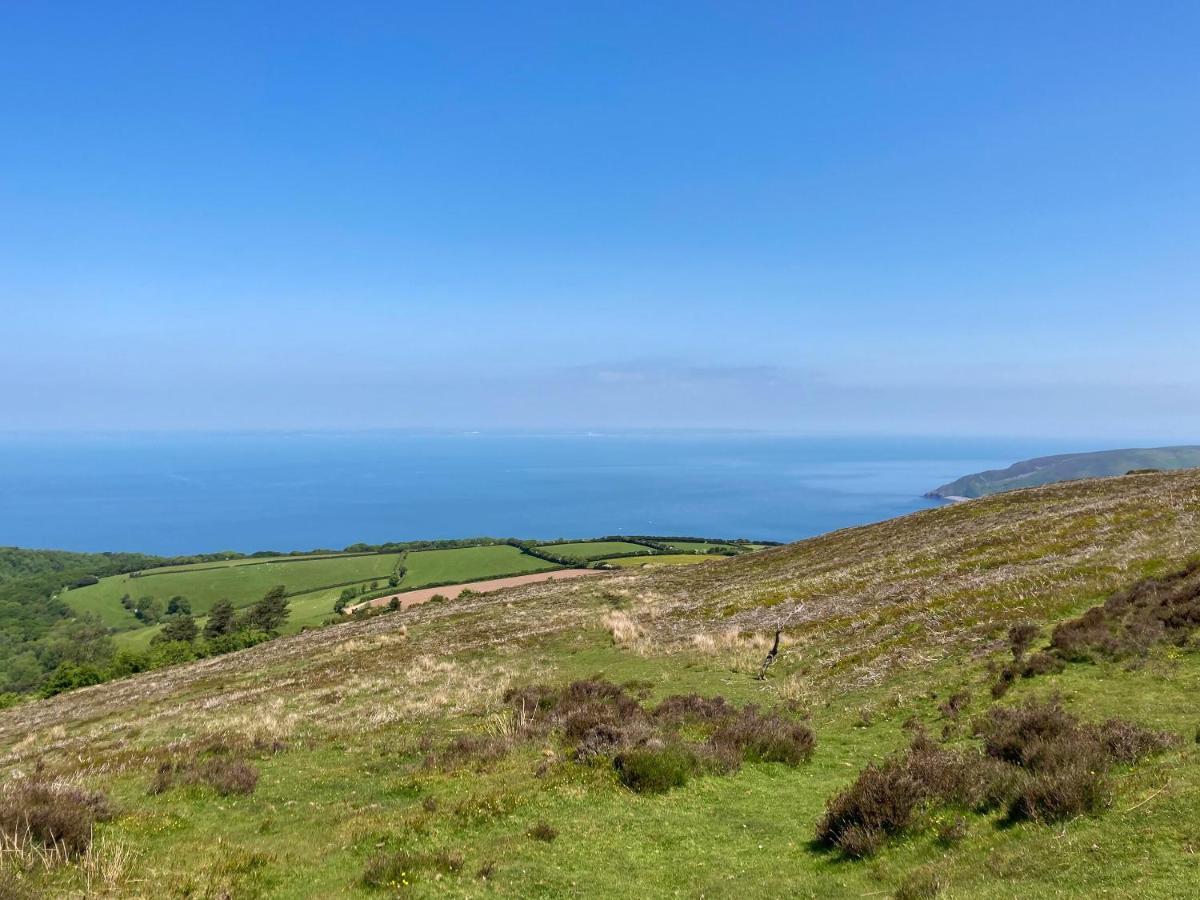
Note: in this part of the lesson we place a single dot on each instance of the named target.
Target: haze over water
(187, 493)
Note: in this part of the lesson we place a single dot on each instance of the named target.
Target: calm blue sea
(185, 493)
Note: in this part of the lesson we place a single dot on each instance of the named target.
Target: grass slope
(882, 623)
(1068, 467)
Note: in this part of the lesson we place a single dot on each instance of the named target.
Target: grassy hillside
(388, 762)
(314, 581)
(1068, 467)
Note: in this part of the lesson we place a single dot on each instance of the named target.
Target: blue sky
(977, 218)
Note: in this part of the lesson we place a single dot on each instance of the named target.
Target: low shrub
(879, 803)
(755, 737)
(55, 814)
(1129, 622)
(1061, 793)
(1038, 762)
(227, 775)
(543, 831)
(602, 720)
(1024, 735)
(1021, 638)
(655, 770)
(1042, 663)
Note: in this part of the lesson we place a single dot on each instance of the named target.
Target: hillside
(74, 619)
(382, 758)
(1068, 467)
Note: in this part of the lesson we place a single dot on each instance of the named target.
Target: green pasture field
(311, 609)
(665, 559)
(243, 582)
(590, 550)
(426, 567)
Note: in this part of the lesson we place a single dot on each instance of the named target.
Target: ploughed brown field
(450, 591)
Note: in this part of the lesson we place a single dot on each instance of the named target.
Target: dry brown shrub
(1151, 611)
(1021, 638)
(757, 737)
(57, 814)
(1038, 761)
(227, 775)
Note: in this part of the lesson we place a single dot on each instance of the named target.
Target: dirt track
(450, 591)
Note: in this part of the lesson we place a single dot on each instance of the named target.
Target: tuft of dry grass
(624, 630)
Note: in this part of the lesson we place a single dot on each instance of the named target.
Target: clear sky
(820, 217)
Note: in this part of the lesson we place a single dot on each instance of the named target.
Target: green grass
(427, 567)
(243, 582)
(589, 550)
(324, 808)
(665, 559)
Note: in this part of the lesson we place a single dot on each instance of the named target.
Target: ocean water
(189, 493)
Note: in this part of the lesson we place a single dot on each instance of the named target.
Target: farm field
(241, 581)
(427, 567)
(306, 610)
(591, 550)
(664, 559)
(316, 582)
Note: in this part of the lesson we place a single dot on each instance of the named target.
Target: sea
(182, 493)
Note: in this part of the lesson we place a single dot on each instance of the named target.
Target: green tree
(178, 605)
(23, 672)
(181, 627)
(68, 676)
(149, 610)
(348, 595)
(269, 613)
(221, 620)
(128, 662)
